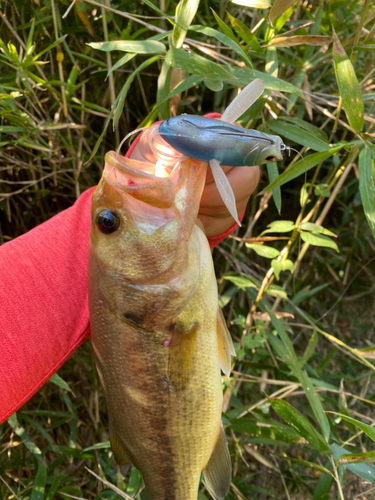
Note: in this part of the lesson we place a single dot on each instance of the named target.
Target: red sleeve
(44, 312)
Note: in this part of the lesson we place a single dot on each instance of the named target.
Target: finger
(243, 181)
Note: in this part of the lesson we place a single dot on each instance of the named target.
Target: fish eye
(108, 221)
(270, 158)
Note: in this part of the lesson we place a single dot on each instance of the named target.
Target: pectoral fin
(117, 448)
(218, 471)
(225, 345)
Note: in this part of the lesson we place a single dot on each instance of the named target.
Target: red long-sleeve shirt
(44, 313)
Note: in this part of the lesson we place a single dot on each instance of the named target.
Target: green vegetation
(296, 282)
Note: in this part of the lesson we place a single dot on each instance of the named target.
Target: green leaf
(273, 173)
(286, 265)
(243, 31)
(224, 39)
(301, 167)
(315, 228)
(319, 240)
(39, 483)
(278, 8)
(348, 85)
(56, 379)
(224, 28)
(185, 12)
(105, 445)
(272, 62)
(367, 429)
(263, 250)
(270, 429)
(214, 85)
(290, 358)
(367, 186)
(323, 487)
(305, 126)
(241, 281)
(298, 422)
(296, 134)
(369, 456)
(243, 76)
(163, 93)
(137, 46)
(28, 442)
(119, 104)
(195, 64)
(254, 4)
(365, 471)
(121, 62)
(280, 226)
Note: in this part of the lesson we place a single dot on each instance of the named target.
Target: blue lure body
(207, 139)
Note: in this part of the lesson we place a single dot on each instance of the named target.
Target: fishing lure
(219, 142)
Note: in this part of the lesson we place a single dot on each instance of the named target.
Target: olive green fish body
(154, 322)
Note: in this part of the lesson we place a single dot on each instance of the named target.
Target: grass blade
(301, 167)
(296, 134)
(185, 13)
(348, 85)
(273, 174)
(39, 483)
(367, 186)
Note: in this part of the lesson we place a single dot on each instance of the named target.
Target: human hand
(213, 213)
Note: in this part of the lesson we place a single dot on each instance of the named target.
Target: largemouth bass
(158, 335)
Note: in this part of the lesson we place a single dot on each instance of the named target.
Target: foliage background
(305, 339)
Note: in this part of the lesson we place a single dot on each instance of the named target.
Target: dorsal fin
(225, 344)
(218, 471)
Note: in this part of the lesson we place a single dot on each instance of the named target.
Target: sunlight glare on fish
(160, 170)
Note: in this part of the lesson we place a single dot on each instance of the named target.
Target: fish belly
(164, 402)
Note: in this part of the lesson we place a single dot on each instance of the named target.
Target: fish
(159, 338)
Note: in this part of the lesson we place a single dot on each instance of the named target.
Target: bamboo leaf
(263, 250)
(319, 240)
(164, 90)
(367, 429)
(195, 64)
(137, 46)
(273, 173)
(290, 41)
(185, 12)
(243, 31)
(39, 483)
(367, 186)
(292, 361)
(280, 226)
(254, 4)
(315, 228)
(300, 424)
(296, 134)
(369, 456)
(224, 39)
(301, 167)
(286, 265)
(124, 91)
(243, 76)
(278, 8)
(56, 379)
(365, 471)
(305, 126)
(348, 85)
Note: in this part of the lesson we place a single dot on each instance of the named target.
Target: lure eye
(108, 221)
